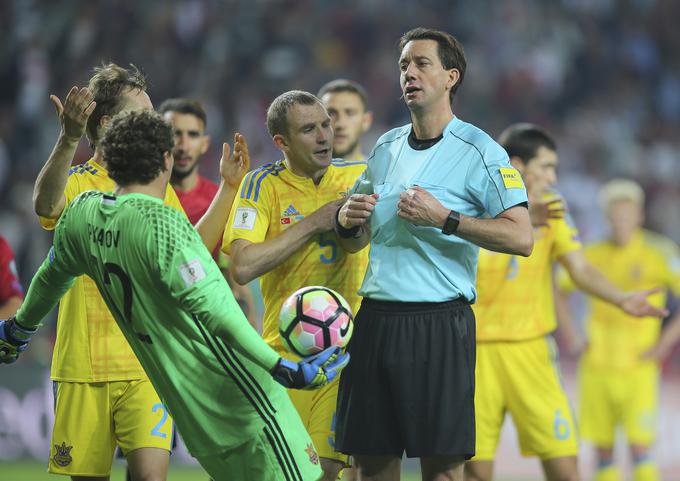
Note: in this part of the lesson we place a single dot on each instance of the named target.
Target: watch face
(451, 223)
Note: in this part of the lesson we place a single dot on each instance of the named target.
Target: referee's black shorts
(410, 382)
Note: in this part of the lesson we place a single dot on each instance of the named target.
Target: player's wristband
(16, 333)
(344, 232)
(287, 373)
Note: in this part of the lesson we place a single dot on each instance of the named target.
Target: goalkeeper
(211, 369)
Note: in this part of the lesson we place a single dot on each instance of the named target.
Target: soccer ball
(313, 319)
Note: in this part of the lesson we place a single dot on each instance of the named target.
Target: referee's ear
(454, 77)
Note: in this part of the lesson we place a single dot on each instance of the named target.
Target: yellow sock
(646, 471)
(609, 473)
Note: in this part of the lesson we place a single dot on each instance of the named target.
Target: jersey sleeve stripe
(251, 182)
(257, 178)
(274, 171)
(245, 182)
(236, 363)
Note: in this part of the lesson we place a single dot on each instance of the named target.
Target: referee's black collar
(422, 144)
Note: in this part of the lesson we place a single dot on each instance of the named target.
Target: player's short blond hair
(621, 189)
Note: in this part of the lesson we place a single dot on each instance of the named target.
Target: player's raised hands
(235, 166)
(311, 372)
(420, 207)
(636, 304)
(357, 210)
(74, 112)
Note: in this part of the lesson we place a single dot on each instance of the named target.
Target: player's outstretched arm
(311, 372)
(48, 192)
(232, 169)
(252, 259)
(592, 281)
(48, 286)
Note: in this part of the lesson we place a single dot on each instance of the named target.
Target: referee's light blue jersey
(466, 171)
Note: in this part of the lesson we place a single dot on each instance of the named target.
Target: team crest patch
(311, 452)
(63, 455)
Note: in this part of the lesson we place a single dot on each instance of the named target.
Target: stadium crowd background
(602, 75)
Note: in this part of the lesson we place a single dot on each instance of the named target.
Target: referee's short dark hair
(277, 113)
(522, 140)
(185, 106)
(134, 146)
(344, 85)
(451, 53)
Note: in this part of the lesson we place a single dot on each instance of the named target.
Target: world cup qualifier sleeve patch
(192, 272)
(244, 218)
(511, 178)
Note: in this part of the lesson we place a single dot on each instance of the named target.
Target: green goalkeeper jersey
(169, 298)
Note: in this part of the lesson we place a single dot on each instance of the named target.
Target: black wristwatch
(451, 223)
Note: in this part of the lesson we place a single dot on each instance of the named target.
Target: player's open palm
(235, 166)
(636, 304)
(75, 111)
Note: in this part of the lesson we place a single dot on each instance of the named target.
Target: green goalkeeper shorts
(281, 451)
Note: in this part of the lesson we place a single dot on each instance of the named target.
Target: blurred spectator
(11, 292)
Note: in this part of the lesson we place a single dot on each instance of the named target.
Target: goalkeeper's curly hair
(134, 147)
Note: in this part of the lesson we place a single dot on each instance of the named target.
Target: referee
(441, 189)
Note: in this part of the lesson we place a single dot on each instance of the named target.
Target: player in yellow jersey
(517, 370)
(347, 104)
(281, 230)
(96, 375)
(619, 372)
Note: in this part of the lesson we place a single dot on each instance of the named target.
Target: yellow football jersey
(271, 199)
(90, 346)
(615, 339)
(515, 294)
